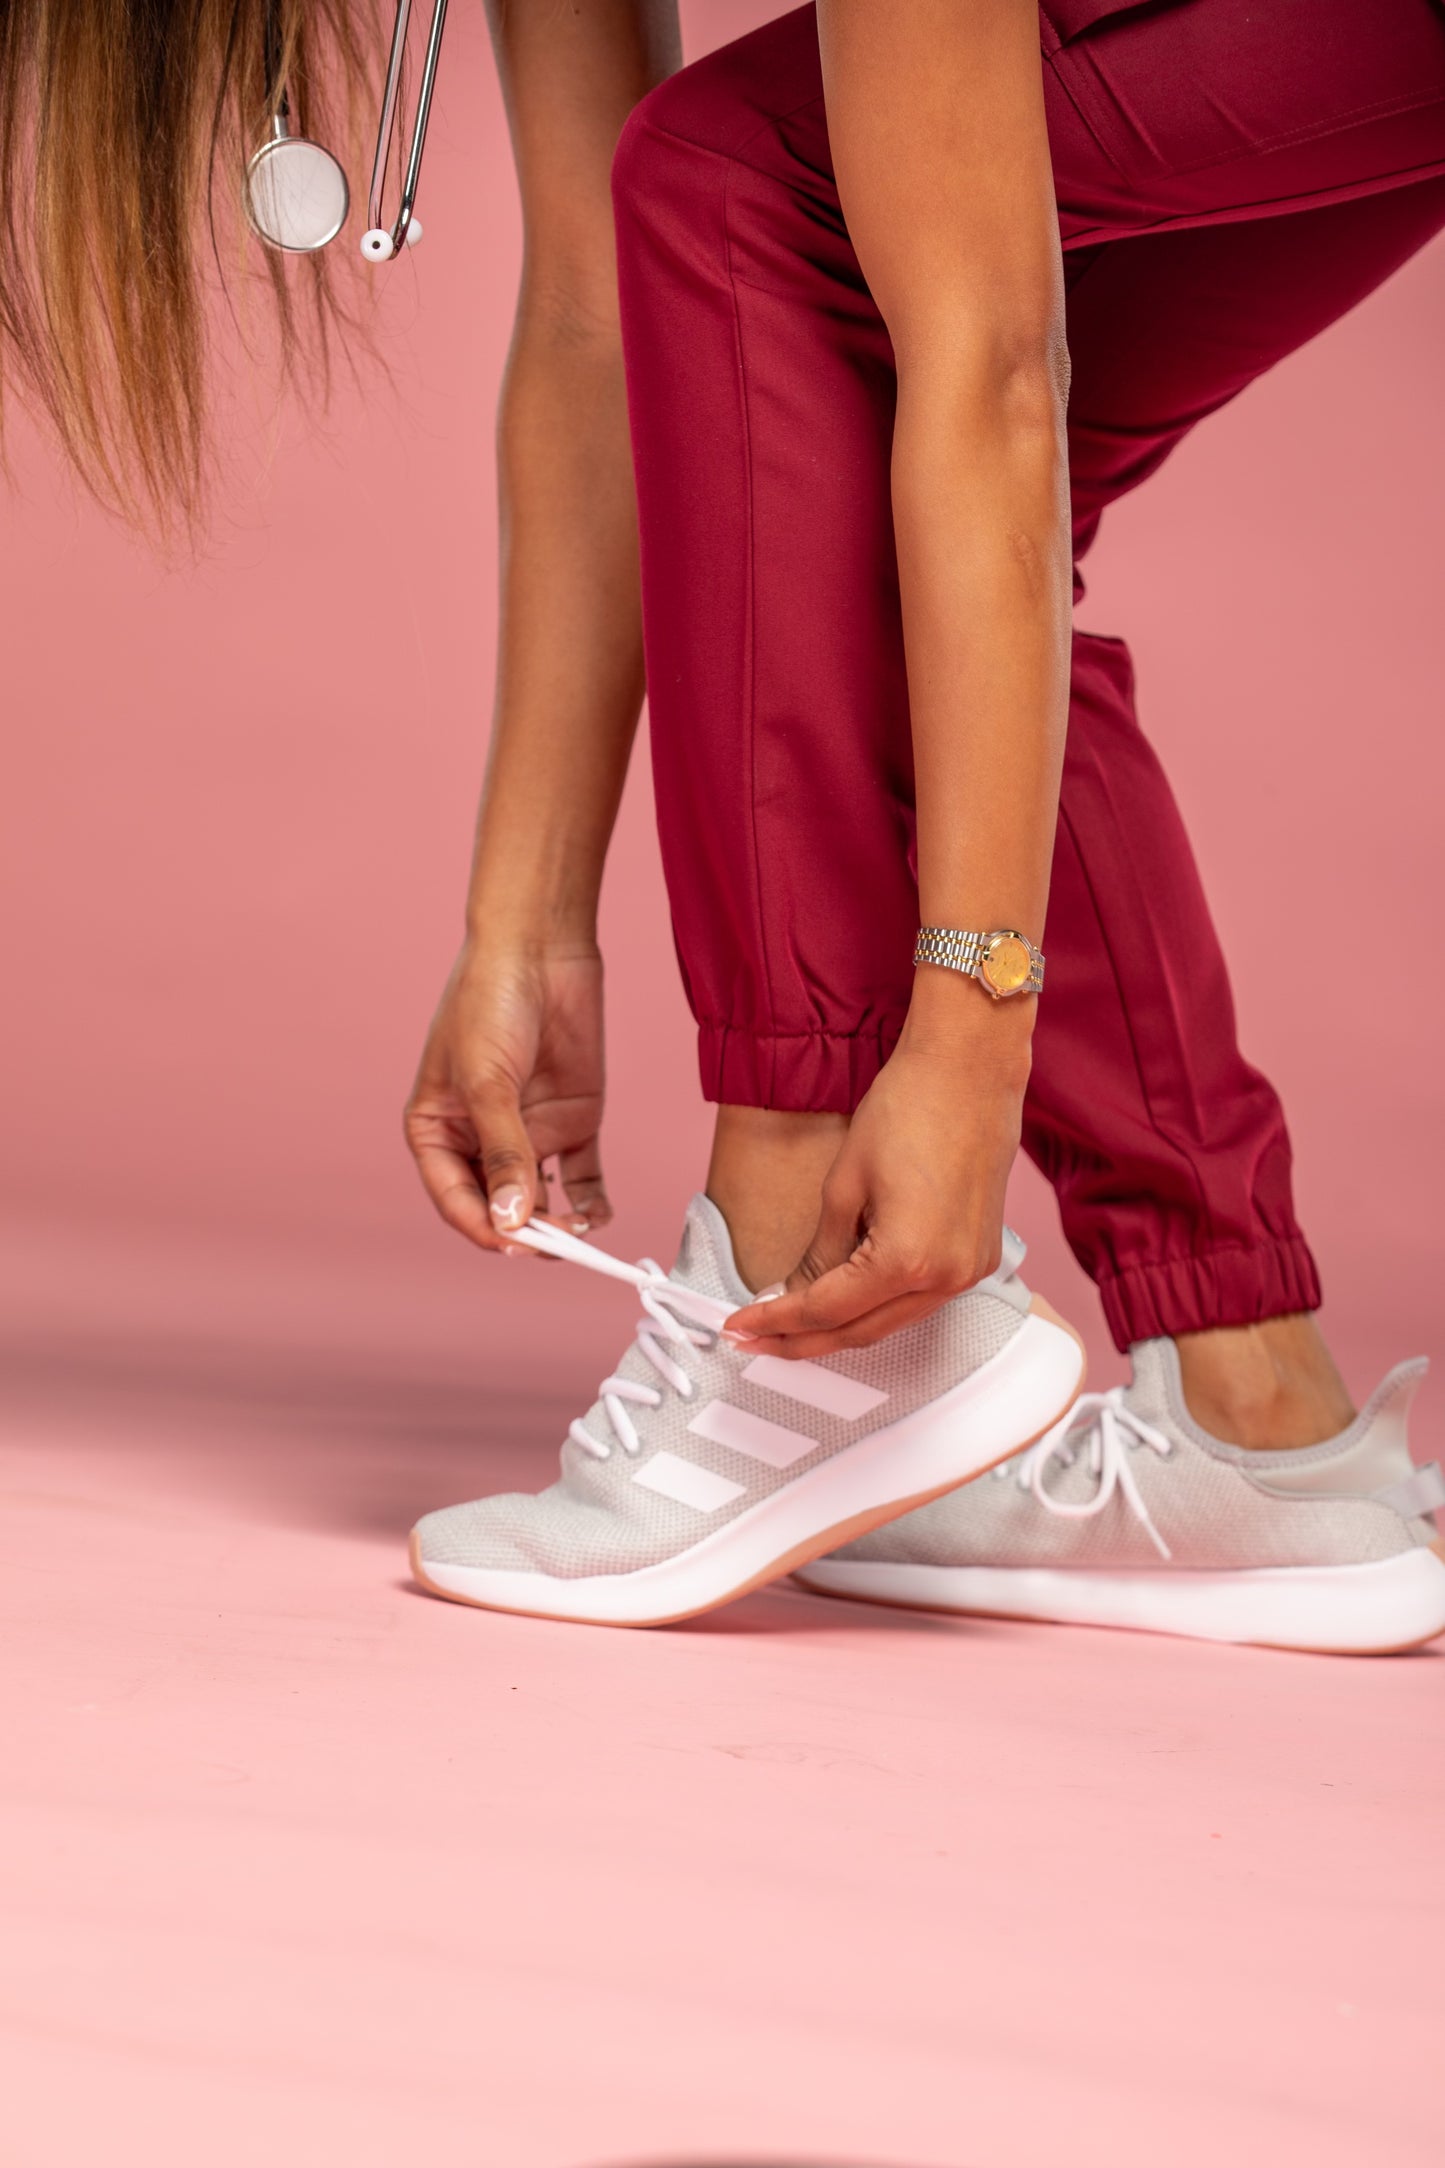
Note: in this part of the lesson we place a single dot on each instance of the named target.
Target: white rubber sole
(1369, 1610)
(1007, 1403)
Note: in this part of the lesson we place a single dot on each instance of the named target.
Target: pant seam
(1125, 1011)
(1105, 232)
(1306, 135)
(750, 670)
(1095, 120)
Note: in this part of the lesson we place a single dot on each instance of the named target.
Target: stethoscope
(296, 194)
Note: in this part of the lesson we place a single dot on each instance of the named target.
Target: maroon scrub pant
(1231, 177)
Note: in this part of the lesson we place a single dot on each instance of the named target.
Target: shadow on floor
(360, 1444)
(785, 1608)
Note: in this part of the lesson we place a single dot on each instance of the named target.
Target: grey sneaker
(701, 1471)
(1130, 1515)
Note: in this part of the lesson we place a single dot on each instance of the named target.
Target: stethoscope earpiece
(377, 245)
(296, 195)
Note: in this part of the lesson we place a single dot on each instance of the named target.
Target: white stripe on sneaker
(827, 1390)
(686, 1484)
(751, 1434)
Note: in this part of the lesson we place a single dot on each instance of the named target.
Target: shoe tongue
(705, 1256)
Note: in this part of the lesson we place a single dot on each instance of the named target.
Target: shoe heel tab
(1369, 1460)
(1380, 1461)
(1390, 1403)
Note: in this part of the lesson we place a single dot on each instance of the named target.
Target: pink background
(239, 797)
(249, 1780)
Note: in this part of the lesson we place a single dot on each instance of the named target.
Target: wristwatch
(1003, 962)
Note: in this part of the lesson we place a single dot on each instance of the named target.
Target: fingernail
(581, 1226)
(509, 1206)
(771, 1294)
(739, 1339)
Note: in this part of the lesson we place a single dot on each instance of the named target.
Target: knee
(684, 136)
(641, 156)
(659, 139)
(711, 109)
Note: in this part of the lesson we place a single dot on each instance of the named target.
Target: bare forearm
(981, 513)
(980, 500)
(569, 679)
(937, 118)
(512, 1073)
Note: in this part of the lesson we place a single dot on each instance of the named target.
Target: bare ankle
(766, 1179)
(1265, 1385)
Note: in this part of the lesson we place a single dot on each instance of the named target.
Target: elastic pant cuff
(1232, 1286)
(805, 1072)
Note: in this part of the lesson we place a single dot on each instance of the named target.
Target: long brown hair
(124, 130)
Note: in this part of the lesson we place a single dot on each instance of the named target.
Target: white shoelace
(1107, 1427)
(667, 1306)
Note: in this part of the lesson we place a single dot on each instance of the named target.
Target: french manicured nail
(509, 1206)
(771, 1294)
(739, 1339)
(581, 1226)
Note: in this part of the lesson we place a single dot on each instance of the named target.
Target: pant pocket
(1172, 86)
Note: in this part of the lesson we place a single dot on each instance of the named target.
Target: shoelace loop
(1107, 1427)
(668, 1306)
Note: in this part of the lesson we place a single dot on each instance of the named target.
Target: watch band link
(964, 951)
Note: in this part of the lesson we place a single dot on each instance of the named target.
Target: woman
(848, 322)
(845, 313)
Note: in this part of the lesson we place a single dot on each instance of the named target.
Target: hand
(511, 1075)
(913, 1204)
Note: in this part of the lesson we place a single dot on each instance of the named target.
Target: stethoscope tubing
(387, 124)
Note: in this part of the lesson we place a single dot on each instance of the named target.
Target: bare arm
(512, 1071)
(570, 664)
(936, 115)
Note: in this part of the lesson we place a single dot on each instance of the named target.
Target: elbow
(981, 439)
(1008, 380)
(569, 308)
(1031, 382)
(1021, 383)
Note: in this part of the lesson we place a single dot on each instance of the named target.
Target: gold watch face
(1006, 963)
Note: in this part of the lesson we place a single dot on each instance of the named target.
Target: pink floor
(300, 1869)
(300, 1866)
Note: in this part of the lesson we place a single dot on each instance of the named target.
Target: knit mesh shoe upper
(745, 1426)
(1177, 1494)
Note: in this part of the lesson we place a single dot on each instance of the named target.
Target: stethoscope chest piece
(296, 194)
